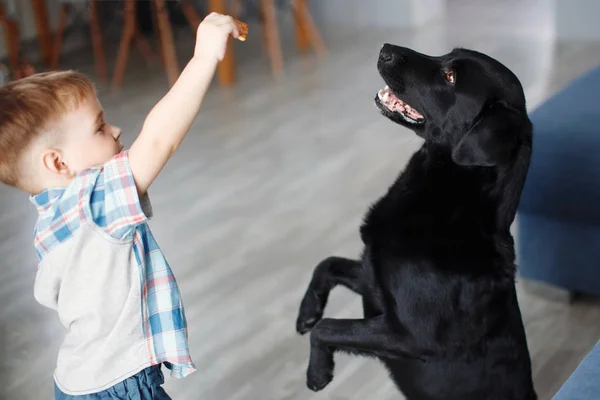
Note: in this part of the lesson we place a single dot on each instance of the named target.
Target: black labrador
(437, 274)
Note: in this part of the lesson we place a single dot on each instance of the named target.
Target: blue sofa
(584, 382)
(558, 220)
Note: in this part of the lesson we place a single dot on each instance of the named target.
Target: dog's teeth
(386, 96)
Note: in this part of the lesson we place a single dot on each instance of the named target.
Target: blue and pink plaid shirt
(105, 197)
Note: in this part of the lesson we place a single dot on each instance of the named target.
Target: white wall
(577, 19)
(377, 13)
(573, 19)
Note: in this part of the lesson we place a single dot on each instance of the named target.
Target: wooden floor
(273, 178)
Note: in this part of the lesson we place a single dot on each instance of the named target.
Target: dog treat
(243, 29)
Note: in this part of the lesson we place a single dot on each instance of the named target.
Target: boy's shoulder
(104, 196)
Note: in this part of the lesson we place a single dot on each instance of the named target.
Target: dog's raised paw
(311, 312)
(318, 382)
(304, 325)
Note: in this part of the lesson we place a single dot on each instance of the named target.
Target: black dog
(437, 274)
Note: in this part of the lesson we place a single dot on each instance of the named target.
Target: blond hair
(28, 106)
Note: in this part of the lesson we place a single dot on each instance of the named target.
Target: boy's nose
(117, 133)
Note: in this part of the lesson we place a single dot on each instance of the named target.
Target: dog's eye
(451, 76)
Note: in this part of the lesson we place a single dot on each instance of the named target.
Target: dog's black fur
(437, 274)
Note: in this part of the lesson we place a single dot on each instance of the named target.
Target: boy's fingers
(217, 19)
(241, 29)
(233, 26)
(212, 16)
(225, 20)
(235, 29)
(230, 27)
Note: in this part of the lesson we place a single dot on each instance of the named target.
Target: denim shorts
(145, 385)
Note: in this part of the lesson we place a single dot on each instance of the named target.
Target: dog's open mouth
(393, 103)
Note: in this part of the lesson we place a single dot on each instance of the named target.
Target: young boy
(99, 265)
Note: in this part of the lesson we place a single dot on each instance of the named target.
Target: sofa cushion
(584, 382)
(564, 175)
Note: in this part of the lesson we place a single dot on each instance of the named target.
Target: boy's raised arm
(171, 118)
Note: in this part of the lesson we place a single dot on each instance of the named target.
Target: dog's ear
(491, 140)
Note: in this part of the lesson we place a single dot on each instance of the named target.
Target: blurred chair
(76, 7)
(190, 14)
(269, 31)
(131, 33)
(307, 33)
(163, 31)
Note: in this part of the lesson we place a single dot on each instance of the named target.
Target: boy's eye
(101, 127)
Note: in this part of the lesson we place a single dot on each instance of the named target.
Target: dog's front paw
(304, 324)
(317, 379)
(311, 312)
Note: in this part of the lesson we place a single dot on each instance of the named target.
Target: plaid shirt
(106, 197)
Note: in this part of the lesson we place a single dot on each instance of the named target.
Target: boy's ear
(54, 162)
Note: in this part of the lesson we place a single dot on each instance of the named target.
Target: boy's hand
(212, 36)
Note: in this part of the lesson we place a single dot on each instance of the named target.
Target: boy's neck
(48, 183)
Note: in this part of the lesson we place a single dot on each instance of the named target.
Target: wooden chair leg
(58, 36)
(166, 39)
(97, 44)
(302, 40)
(305, 23)
(43, 30)
(272, 36)
(126, 38)
(226, 68)
(12, 39)
(191, 15)
(156, 30)
(264, 37)
(142, 45)
(10, 30)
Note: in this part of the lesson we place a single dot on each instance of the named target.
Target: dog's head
(465, 101)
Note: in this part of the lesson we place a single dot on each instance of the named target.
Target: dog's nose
(389, 55)
(387, 58)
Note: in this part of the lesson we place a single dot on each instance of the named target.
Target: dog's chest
(393, 219)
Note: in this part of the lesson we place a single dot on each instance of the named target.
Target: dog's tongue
(393, 103)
